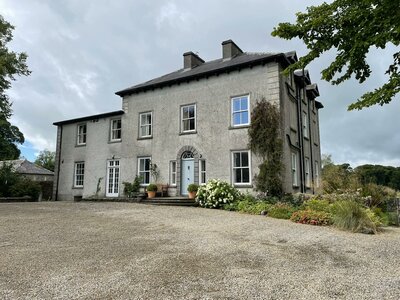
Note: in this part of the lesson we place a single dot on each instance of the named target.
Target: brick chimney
(230, 49)
(191, 60)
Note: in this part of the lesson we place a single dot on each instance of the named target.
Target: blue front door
(187, 174)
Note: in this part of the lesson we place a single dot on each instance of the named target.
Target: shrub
(26, 187)
(393, 218)
(383, 217)
(193, 188)
(317, 205)
(216, 194)
(377, 195)
(352, 216)
(280, 211)
(312, 217)
(132, 188)
(253, 206)
(152, 187)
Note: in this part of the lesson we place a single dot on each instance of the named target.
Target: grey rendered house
(192, 124)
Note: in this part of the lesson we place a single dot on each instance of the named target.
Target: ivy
(265, 141)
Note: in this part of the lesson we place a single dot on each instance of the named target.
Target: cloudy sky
(82, 52)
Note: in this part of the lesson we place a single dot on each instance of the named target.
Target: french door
(112, 178)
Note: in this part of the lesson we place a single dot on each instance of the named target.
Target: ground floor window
(144, 164)
(202, 168)
(172, 173)
(113, 178)
(307, 171)
(79, 174)
(294, 169)
(241, 167)
(317, 174)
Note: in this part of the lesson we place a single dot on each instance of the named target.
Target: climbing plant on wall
(265, 140)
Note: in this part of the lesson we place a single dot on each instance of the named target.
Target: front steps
(170, 201)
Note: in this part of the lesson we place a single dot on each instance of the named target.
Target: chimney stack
(191, 60)
(230, 49)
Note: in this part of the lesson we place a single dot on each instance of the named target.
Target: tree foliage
(13, 184)
(46, 159)
(265, 141)
(11, 65)
(381, 175)
(352, 28)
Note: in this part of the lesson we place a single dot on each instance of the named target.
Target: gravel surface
(66, 250)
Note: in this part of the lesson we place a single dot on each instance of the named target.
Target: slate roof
(210, 68)
(24, 166)
(88, 118)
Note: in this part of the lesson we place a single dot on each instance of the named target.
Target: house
(35, 173)
(193, 125)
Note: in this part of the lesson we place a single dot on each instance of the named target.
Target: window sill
(238, 127)
(80, 145)
(306, 138)
(188, 132)
(242, 185)
(145, 138)
(77, 187)
(114, 141)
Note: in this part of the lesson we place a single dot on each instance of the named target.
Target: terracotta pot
(192, 195)
(151, 194)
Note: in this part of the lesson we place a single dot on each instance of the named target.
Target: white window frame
(240, 111)
(305, 125)
(189, 118)
(114, 130)
(115, 165)
(147, 125)
(140, 172)
(294, 169)
(79, 170)
(81, 135)
(307, 171)
(317, 174)
(202, 171)
(241, 167)
(172, 172)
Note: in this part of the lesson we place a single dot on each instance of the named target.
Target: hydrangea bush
(216, 193)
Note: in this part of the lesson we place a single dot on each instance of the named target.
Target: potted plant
(192, 189)
(151, 190)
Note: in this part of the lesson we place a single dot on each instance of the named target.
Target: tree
(46, 159)
(11, 64)
(265, 141)
(352, 28)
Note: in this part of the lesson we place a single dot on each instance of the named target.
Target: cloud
(81, 52)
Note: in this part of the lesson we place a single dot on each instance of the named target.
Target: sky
(82, 52)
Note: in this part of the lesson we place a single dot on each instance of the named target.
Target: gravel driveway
(66, 250)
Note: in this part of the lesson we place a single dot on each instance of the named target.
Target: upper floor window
(145, 124)
(116, 130)
(79, 174)
(144, 164)
(240, 111)
(241, 167)
(188, 118)
(305, 125)
(81, 137)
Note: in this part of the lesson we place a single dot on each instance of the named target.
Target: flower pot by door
(192, 195)
(151, 194)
